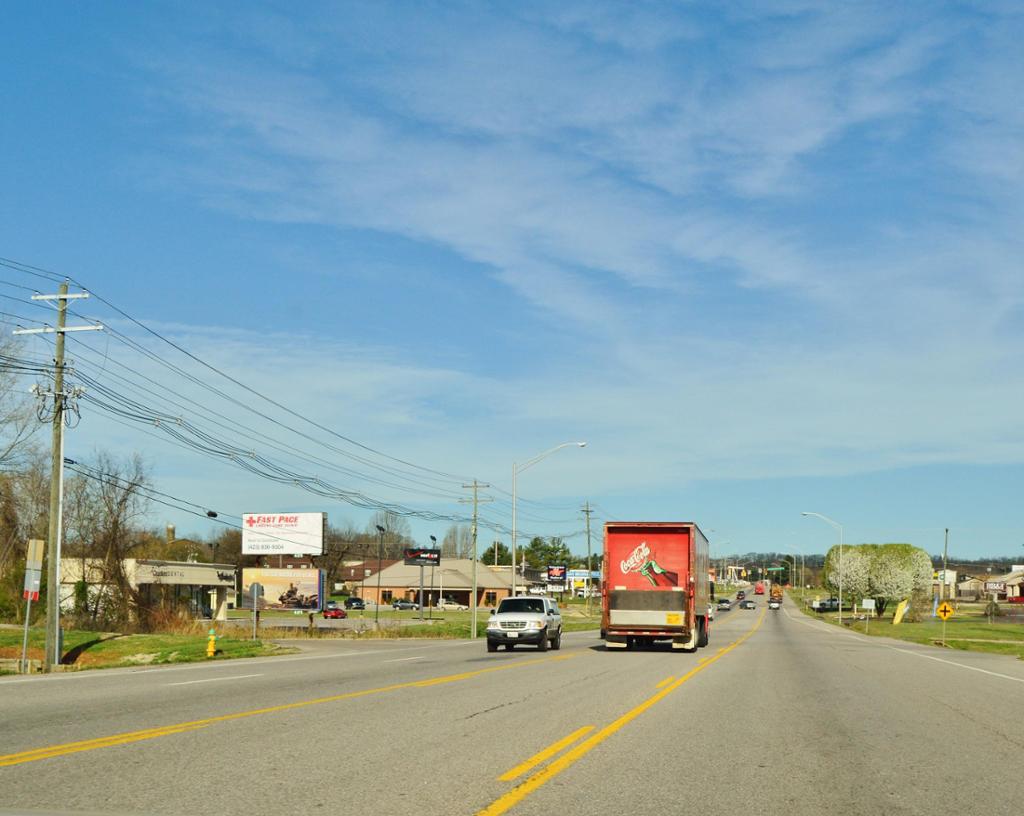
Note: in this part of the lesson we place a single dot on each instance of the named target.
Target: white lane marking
(214, 679)
(953, 663)
(403, 659)
(250, 661)
(824, 627)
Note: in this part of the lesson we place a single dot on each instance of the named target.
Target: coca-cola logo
(636, 559)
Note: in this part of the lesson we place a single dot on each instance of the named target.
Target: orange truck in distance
(655, 585)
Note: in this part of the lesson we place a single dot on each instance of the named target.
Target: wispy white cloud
(625, 178)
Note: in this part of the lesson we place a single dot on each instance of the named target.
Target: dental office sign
(283, 533)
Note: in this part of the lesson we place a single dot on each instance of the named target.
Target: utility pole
(590, 569)
(60, 400)
(476, 501)
(945, 553)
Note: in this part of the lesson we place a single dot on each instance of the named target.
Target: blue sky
(763, 258)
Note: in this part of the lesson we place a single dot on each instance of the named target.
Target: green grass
(94, 650)
(968, 630)
(450, 624)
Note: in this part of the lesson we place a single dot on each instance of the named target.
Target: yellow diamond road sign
(945, 610)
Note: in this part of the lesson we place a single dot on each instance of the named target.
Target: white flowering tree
(885, 572)
(856, 571)
(899, 572)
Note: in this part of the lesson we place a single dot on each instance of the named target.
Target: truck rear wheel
(703, 632)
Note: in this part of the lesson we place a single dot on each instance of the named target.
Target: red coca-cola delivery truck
(759, 588)
(655, 584)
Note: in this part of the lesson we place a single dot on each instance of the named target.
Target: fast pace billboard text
(283, 533)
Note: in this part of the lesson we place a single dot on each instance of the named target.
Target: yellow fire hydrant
(211, 643)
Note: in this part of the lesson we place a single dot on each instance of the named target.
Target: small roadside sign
(945, 610)
(34, 554)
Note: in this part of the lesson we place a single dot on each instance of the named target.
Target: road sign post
(944, 611)
(257, 591)
(868, 605)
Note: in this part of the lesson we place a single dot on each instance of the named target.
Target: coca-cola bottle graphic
(658, 575)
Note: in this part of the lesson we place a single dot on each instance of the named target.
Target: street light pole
(839, 527)
(380, 548)
(516, 470)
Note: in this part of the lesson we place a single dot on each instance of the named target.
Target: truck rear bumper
(620, 638)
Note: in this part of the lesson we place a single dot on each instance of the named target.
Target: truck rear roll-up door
(638, 607)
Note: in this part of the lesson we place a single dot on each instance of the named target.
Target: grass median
(968, 630)
(104, 650)
(391, 623)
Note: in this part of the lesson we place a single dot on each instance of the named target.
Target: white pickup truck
(525, 619)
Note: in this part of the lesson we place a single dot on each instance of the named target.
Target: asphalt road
(781, 714)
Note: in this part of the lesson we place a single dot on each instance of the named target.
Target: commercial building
(452, 580)
(202, 590)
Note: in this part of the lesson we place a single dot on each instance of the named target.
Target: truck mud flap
(686, 643)
(615, 642)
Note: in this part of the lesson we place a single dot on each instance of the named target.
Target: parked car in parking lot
(354, 603)
(335, 612)
(399, 603)
(828, 605)
(446, 604)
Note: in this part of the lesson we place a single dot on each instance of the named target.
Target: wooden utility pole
(590, 567)
(945, 553)
(60, 401)
(476, 500)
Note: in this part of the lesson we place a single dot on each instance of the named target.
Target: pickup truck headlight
(492, 623)
(535, 625)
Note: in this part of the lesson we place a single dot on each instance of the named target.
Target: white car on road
(525, 619)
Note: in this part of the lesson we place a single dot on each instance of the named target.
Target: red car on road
(337, 612)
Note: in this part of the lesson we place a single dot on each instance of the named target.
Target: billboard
(288, 589)
(283, 533)
(557, 574)
(422, 557)
(187, 574)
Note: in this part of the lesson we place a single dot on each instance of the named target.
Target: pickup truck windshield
(521, 605)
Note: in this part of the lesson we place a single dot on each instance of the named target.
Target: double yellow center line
(524, 789)
(162, 731)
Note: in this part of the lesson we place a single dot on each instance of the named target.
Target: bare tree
(18, 419)
(397, 532)
(105, 514)
(457, 542)
(340, 543)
